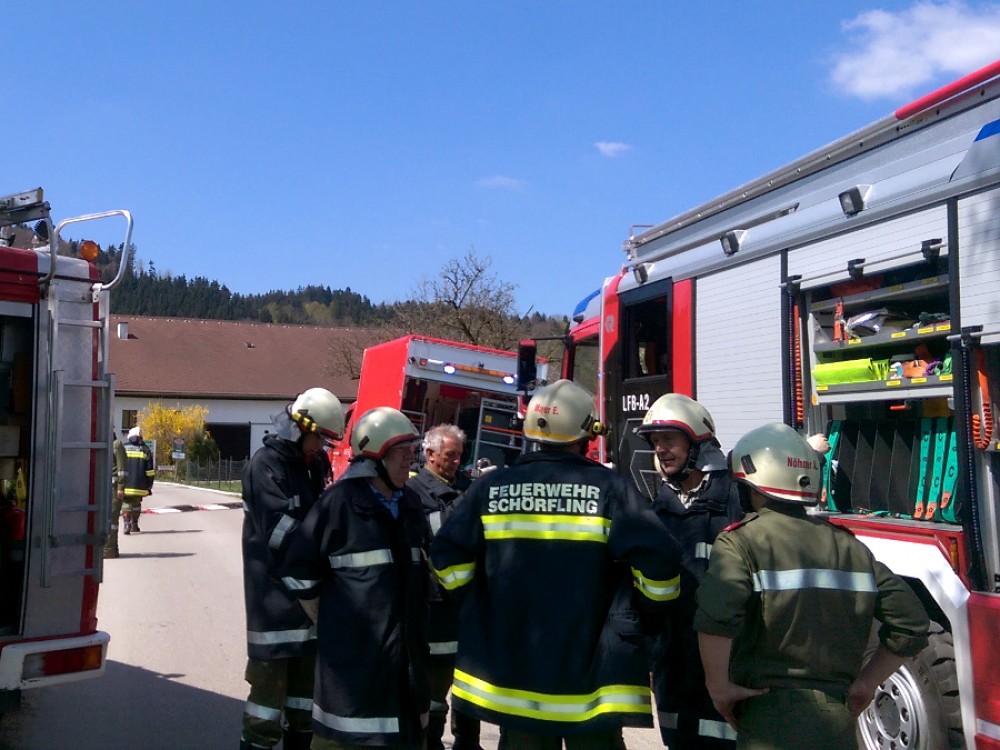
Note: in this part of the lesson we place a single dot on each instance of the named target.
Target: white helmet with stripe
(562, 413)
(779, 463)
(319, 411)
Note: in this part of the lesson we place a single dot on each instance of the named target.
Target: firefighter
(119, 473)
(440, 484)
(560, 560)
(140, 470)
(359, 560)
(281, 483)
(787, 605)
(697, 499)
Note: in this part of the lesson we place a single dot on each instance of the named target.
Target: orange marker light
(89, 250)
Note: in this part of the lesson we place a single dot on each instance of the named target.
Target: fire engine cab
(853, 292)
(55, 447)
(434, 381)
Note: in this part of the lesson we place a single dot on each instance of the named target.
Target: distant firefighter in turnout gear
(140, 469)
(696, 500)
(281, 483)
(787, 605)
(362, 552)
(118, 498)
(440, 485)
(559, 557)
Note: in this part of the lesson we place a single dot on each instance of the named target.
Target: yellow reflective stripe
(633, 699)
(547, 526)
(658, 591)
(456, 576)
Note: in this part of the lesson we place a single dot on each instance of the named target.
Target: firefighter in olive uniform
(119, 472)
(440, 484)
(786, 608)
(696, 500)
(280, 484)
(140, 469)
(362, 552)
(558, 557)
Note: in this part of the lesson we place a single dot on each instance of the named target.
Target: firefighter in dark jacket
(140, 469)
(440, 484)
(362, 553)
(787, 605)
(281, 483)
(558, 557)
(696, 500)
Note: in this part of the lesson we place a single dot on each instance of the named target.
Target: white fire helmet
(319, 411)
(779, 463)
(675, 411)
(562, 413)
(378, 430)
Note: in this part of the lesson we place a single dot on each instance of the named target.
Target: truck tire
(918, 707)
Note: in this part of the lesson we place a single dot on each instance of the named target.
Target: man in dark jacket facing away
(549, 643)
(280, 483)
(439, 484)
(362, 552)
(697, 499)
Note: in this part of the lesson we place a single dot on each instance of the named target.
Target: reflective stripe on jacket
(139, 469)
(558, 557)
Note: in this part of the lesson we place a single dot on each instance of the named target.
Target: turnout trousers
(280, 698)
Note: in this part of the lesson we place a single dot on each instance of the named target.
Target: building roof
(175, 357)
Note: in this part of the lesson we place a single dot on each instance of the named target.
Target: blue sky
(363, 144)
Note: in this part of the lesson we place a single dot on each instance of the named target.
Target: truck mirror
(527, 370)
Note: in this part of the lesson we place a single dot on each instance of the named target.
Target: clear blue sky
(363, 144)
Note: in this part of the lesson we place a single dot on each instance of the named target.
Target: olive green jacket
(798, 596)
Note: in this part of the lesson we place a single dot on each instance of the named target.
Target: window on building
(130, 418)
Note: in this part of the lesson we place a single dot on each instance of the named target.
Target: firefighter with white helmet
(696, 500)
(140, 471)
(787, 605)
(359, 560)
(557, 558)
(281, 482)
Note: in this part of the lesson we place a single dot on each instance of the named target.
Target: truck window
(582, 361)
(646, 331)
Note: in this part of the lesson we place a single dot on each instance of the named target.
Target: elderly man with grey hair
(440, 484)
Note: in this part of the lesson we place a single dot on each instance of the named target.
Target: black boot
(466, 732)
(291, 740)
(134, 518)
(435, 731)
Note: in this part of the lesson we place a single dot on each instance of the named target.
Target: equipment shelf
(936, 330)
(907, 290)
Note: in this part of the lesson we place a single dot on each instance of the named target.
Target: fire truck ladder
(78, 428)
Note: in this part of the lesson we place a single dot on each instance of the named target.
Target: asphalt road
(173, 604)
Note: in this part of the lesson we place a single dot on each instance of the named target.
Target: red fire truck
(852, 292)
(55, 447)
(434, 381)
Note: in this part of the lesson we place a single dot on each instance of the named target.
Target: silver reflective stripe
(702, 550)
(361, 559)
(301, 704)
(280, 636)
(438, 706)
(416, 554)
(526, 526)
(282, 528)
(813, 578)
(718, 729)
(298, 584)
(294, 502)
(262, 712)
(372, 725)
(435, 521)
(668, 721)
(443, 647)
(246, 508)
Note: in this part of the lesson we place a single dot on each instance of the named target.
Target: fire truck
(853, 292)
(434, 381)
(55, 447)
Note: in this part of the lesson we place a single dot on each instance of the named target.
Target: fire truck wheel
(918, 707)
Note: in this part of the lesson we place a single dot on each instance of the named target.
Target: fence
(223, 474)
